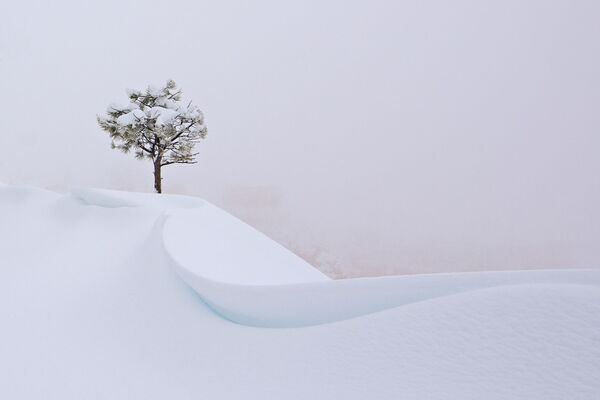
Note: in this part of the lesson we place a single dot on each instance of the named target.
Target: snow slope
(91, 307)
(253, 288)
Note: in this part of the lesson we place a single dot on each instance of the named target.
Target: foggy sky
(380, 136)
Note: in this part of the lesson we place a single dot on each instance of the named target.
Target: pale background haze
(370, 137)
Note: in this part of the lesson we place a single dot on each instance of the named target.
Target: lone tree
(156, 126)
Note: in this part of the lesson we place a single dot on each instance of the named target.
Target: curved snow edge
(311, 300)
(313, 303)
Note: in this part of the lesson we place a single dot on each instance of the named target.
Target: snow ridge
(90, 307)
(249, 279)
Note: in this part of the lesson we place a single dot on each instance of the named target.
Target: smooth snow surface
(254, 285)
(91, 307)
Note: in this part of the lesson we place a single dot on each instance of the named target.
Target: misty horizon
(370, 139)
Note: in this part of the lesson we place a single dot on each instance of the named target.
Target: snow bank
(256, 282)
(218, 247)
(90, 308)
(250, 279)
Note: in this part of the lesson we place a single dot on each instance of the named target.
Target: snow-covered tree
(156, 126)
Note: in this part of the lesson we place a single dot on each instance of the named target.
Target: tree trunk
(157, 177)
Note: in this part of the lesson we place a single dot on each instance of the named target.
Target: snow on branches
(157, 126)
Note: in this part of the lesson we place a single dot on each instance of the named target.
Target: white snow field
(95, 303)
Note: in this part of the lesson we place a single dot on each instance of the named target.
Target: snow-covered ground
(126, 296)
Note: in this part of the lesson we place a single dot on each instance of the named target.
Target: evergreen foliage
(155, 125)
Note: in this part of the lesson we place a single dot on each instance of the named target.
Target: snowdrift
(90, 307)
(257, 288)
(251, 280)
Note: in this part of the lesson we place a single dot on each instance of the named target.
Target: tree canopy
(156, 125)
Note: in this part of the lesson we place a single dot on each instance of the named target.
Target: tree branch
(178, 162)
